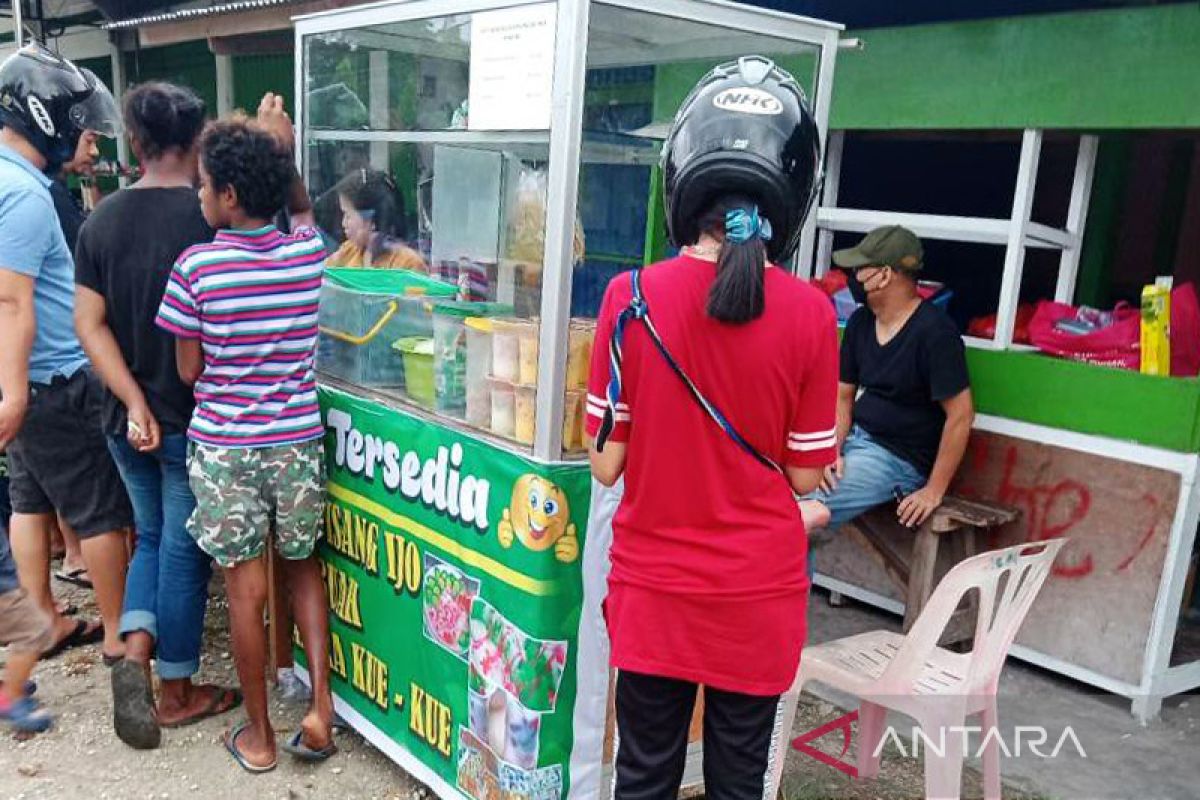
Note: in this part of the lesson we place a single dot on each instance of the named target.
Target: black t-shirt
(904, 381)
(69, 211)
(125, 253)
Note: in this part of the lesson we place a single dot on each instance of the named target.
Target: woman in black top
(122, 261)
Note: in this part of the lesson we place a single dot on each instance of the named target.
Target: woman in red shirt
(709, 584)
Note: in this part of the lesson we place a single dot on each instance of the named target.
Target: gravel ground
(82, 758)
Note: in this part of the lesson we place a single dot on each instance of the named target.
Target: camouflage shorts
(242, 494)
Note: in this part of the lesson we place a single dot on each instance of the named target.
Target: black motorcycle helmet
(51, 102)
(746, 129)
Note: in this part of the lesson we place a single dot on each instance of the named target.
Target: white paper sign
(512, 68)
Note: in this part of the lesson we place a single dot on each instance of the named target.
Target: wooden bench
(914, 569)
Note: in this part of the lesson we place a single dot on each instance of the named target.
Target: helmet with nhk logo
(746, 129)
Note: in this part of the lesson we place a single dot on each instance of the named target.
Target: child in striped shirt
(243, 310)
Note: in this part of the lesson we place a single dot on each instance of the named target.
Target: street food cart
(465, 543)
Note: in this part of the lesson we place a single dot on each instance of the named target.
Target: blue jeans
(166, 590)
(871, 474)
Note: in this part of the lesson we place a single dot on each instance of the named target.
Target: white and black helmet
(746, 129)
(51, 102)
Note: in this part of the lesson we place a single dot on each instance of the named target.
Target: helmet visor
(98, 111)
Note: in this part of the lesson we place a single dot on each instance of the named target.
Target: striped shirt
(250, 297)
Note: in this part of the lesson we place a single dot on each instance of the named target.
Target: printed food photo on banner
(484, 776)
(503, 655)
(539, 517)
(507, 728)
(446, 605)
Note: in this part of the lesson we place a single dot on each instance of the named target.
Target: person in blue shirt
(49, 400)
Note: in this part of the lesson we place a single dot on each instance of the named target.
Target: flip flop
(78, 637)
(30, 688)
(26, 716)
(296, 747)
(73, 577)
(221, 701)
(231, 746)
(133, 706)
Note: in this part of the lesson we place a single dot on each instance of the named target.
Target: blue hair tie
(742, 225)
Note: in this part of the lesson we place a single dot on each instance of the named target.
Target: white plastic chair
(936, 687)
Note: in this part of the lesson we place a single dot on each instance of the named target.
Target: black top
(125, 253)
(904, 381)
(69, 211)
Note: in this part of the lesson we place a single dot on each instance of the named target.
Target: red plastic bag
(1117, 345)
(985, 327)
(1185, 331)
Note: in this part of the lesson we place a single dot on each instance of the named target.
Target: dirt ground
(82, 758)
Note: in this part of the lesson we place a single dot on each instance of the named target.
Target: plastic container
(362, 312)
(450, 352)
(417, 353)
(526, 413)
(479, 369)
(504, 412)
(573, 410)
(579, 352)
(505, 350)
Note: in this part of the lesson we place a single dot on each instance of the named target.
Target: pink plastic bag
(1185, 331)
(1114, 346)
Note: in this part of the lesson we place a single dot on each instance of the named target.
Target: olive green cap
(893, 246)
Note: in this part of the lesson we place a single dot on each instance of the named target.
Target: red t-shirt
(709, 582)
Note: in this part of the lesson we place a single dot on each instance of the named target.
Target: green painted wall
(1126, 68)
(255, 75)
(1120, 404)
(1093, 287)
(188, 64)
(674, 81)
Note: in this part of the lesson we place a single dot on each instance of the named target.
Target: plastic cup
(505, 350)
(527, 349)
(573, 420)
(526, 413)
(504, 410)
(579, 352)
(479, 369)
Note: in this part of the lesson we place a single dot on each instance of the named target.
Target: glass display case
(483, 169)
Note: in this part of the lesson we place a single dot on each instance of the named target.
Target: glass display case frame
(564, 137)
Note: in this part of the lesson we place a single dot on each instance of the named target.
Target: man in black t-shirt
(904, 398)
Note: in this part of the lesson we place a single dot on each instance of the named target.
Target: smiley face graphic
(540, 517)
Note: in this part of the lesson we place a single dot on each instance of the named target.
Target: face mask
(859, 291)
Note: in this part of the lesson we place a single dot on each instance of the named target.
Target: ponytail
(737, 294)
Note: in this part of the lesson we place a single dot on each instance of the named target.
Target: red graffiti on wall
(1052, 509)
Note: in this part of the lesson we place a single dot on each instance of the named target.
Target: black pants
(653, 717)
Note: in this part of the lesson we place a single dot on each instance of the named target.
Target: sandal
(302, 752)
(238, 756)
(75, 577)
(221, 701)
(26, 716)
(78, 637)
(133, 706)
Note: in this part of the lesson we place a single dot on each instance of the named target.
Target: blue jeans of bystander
(166, 590)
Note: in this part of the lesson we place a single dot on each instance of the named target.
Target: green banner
(453, 573)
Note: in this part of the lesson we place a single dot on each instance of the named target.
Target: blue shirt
(32, 243)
